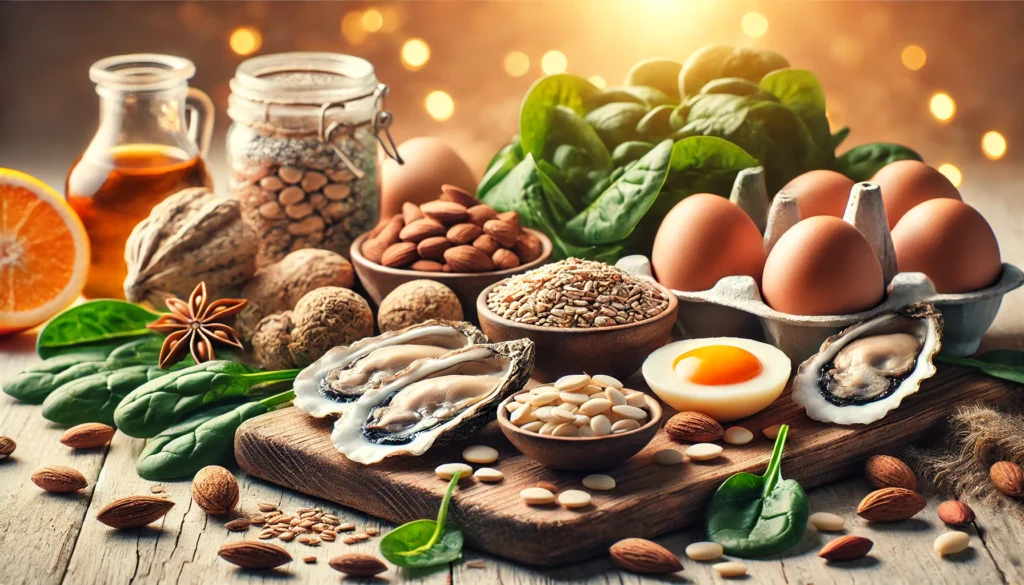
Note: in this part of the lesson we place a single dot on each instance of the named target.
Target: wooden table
(47, 538)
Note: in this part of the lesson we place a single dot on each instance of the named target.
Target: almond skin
(458, 195)
(238, 525)
(694, 427)
(512, 217)
(254, 554)
(480, 214)
(391, 234)
(7, 446)
(638, 555)
(134, 511)
(846, 548)
(504, 232)
(427, 266)
(398, 255)
(358, 565)
(1008, 477)
(955, 513)
(421, 229)
(446, 212)
(461, 234)
(433, 248)
(891, 504)
(411, 212)
(59, 479)
(467, 259)
(215, 490)
(88, 436)
(486, 244)
(527, 247)
(886, 471)
(504, 259)
(373, 249)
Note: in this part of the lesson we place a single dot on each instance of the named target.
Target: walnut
(417, 301)
(270, 343)
(192, 236)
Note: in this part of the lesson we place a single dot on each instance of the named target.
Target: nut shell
(215, 490)
(415, 302)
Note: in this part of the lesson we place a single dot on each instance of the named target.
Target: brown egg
(704, 238)
(907, 183)
(822, 266)
(429, 163)
(820, 193)
(950, 242)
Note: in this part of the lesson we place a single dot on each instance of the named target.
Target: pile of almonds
(455, 233)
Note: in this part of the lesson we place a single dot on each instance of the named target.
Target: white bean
(599, 482)
(703, 451)
(738, 436)
(704, 551)
(572, 382)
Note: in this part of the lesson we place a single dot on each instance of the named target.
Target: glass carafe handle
(200, 127)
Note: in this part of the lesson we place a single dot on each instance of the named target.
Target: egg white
(726, 402)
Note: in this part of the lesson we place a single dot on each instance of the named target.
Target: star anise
(194, 327)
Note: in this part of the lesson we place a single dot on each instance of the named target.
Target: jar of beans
(303, 149)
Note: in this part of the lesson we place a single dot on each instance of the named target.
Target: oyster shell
(433, 401)
(345, 373)
(866, 370)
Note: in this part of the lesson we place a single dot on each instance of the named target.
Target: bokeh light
(942, 106)
(913, 57)
(517, 64)
(993, 145)
(352, 28)
(952, 173)
(372, 20)
(754, 24)
(554, 62)
(415, 54)
(599, 81)
(245, 40)
(440, 105)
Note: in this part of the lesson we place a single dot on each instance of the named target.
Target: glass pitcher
(143, 151)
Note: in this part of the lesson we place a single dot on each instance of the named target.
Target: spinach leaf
(500, 166)
(628, 152)
(738, 86)
(614, 94)
(530, 192)
(94, 322)
(656, 123)
(567, 128)
(1006, 364)
(35, 382)
(94, 398)
(759, 515)
(860, 163)
(425, 543)
(537, 110)
(801, 92)
(839, 136)
(616, 123)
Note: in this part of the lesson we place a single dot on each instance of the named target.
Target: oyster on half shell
(344, 374)
(433, 401)
(867, 369)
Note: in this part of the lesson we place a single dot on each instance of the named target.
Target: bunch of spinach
(598, 169)
(425, 543)
(759, 515)
(103, 324)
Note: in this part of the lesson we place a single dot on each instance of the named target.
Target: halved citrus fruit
(44, 252)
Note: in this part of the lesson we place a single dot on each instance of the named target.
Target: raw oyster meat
(866, 370)
(344, 374)
(433, 401)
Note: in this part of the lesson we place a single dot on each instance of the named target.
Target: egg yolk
(718, 365)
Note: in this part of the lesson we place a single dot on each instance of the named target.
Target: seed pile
(579, 406)
(576, 293)
(310, 526)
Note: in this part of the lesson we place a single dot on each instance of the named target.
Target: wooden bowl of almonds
(580, 423)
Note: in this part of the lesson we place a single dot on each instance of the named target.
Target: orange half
(44, 252)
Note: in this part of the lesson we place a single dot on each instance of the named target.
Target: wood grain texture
(289, 448)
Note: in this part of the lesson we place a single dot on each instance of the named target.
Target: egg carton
(734, 307)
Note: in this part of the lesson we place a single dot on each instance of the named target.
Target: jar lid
(304, 78)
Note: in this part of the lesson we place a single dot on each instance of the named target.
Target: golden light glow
(440, 105)
(517, 64)
(372, 20)
(352, 28)
(553, 62)
(942, 106)
(993, 145)
(599, 81)
(754, 24)
(952, 173)
(913, 57)
(245, 40)
(415, 54)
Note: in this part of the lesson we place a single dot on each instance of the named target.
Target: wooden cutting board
(287, 447)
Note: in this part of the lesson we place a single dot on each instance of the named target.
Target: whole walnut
(417, 301)
(270, 343)
(278, 287)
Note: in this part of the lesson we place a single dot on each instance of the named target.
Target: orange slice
(44, 252)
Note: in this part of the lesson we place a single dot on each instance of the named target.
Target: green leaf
(839, 136)
(616, 123)
(795, 86)
(425, 543)
(94, 322)
(500, 166)
(94, 398)
(860, 163)
(537, 110)
(1005, 364)
(36, 382)
(530, 192)
(567, 128)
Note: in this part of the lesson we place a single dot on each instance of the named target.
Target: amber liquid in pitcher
(113, 194)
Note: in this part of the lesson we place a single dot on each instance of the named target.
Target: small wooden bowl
(618, 350)
(581, 453)
(380, 280)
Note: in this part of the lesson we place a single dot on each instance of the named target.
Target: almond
(463, 233)
(891, 504)
(134, 511)
(88, 436)
(59, 479)
(885, 471)
(504, 259)
(503, 232)
(427, 266)
(511, 217)
(846, 548)
(215, 490)
(254, 554)
(446, 212)
(433, 248)
(411, 212)
(373, 249)
(398, 255)
(1008, 477)
(391, 234)
(637, 555)
(955, 513)
(458, 195)
(238, 525)
(358, 565)
(527, 247)
(421, 229)
(694, 427)
(480, 214)
(7, 446)
(486, 244)
(377, 229)
(467, 259)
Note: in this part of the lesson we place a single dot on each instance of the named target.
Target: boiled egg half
(726, 378)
